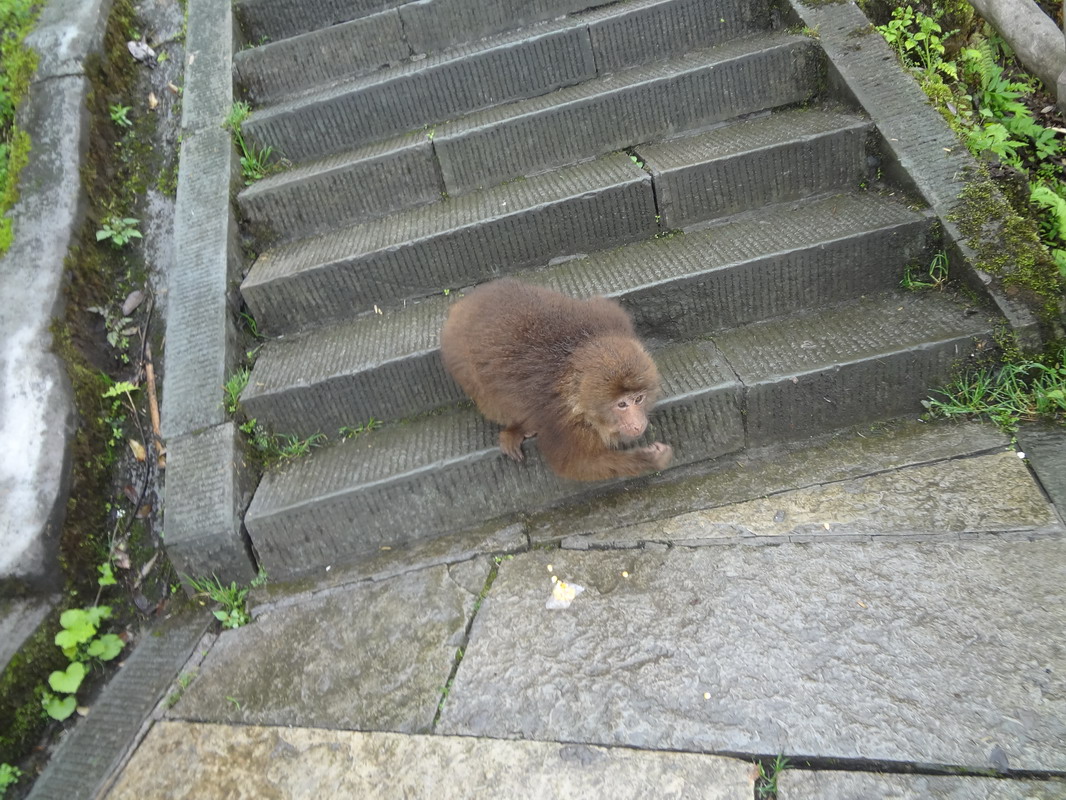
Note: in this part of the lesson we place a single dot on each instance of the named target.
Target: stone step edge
(738, 383)
(398, 152)
(543, 276)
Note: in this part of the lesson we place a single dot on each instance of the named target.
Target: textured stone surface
(432, 24)
(921, 501)
(251, 763)
(798, 785)
(97, 746)
(372, 655)
(18, 620)
(201, 339)
(934, 653)
(450, 244)
(621, 110)
(208, 487)
(208, 91)
(279, 19)
(1045, 447)
(36, 406)
(770, 472)
(413, 94)
(67, 31)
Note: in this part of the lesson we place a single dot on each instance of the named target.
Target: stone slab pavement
(893, 624)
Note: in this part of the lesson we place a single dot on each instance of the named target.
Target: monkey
(570, 372)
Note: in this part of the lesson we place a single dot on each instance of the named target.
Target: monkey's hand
(658, 455)
(511, 442)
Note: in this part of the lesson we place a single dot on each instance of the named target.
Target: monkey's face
(629, 416)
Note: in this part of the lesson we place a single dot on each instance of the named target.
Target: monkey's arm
(584, 457)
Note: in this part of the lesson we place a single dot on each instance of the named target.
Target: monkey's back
(508, 343)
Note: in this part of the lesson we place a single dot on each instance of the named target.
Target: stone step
(547, 128)
(763, 266)
(453, 243)
(641, 104)
(619, 36)
(773, 158)
(428, 24)
(863, 361)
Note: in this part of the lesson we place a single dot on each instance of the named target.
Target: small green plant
(232, 598)
(274, 448)
(766, 786)
(9, 776)
(83, 645)
(1052, 209)
(120, 115)
(919, 41)
(350, 432)
(935, 276)
(1019, 391)
(233, 388)
(115, 418)
(119, 230)
(255, 162)
(119, 329)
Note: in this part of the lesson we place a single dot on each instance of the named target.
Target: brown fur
(571, 372)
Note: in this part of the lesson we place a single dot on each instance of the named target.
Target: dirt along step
(864, 360)
(617, 36)
(764, 265)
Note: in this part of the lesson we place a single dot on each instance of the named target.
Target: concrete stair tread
(749, 135)
(380, 261)
(446, 87)
(335, 496)
(620, 34)
(369, 342)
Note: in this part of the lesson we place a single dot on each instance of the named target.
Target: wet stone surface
(935, 500)
(372, 655)
(797, 785)
(252, 762)
(932, 653)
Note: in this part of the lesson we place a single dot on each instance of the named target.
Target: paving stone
(797, 785)
(936, 499)
(374, 655)
(253, 762)
(931, 653)
(1045, 447)
(760, 472)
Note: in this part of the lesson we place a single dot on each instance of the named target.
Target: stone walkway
(894, 625)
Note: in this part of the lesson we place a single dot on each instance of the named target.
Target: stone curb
(923, 150)
(208, 479)
(36, 403)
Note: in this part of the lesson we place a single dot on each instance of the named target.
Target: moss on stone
(1007, 245)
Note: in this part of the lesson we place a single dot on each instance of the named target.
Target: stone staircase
(437, 144)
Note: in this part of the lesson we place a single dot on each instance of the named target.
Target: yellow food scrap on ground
(563, 594)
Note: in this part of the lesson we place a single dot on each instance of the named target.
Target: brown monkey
(571, 372)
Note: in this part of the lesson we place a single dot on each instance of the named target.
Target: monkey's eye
(622, 404)
(639, 399)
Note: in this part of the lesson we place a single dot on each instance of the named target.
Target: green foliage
(350, 432)
(232, 598)
(1052, 210)
(935, 276)
(118, 329)
(766, 785)
(9, 776)
(82, 644)
(17, 65)
(919, 41)
(119, 115)
(1024, 390)
(274, 448)
(255, 162)
(119, 230)
(233, 388)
